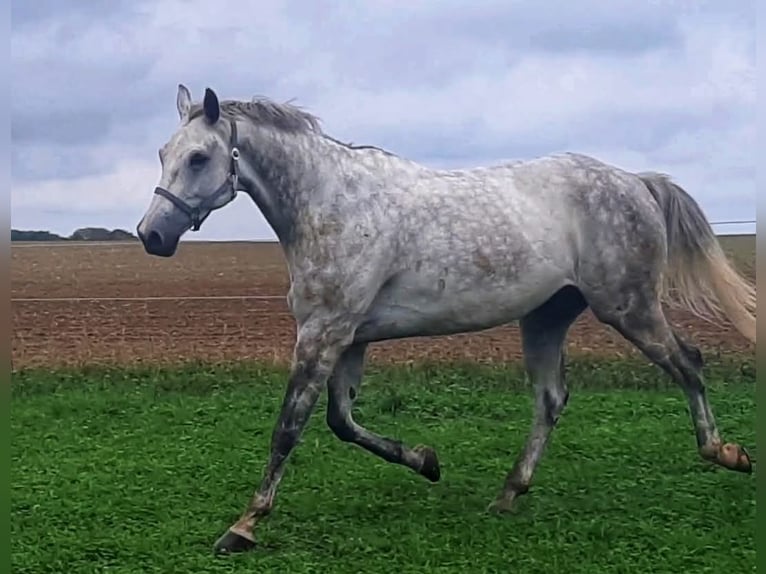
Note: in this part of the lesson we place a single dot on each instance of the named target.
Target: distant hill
(101, 234)
(82, 234)
(23, 235)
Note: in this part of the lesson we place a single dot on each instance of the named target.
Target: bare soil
(81, 303)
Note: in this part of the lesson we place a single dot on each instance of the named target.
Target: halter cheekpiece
(228, 186)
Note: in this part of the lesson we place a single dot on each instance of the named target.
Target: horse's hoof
(503, 504)
(430, 467)
(233, 542)
(735, 457)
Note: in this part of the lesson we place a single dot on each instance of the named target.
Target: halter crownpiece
(228, 186)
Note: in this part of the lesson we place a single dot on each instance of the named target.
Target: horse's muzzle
(157, 244)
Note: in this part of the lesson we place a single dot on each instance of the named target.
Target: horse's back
(482, 247)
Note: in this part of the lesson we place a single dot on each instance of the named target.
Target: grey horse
(379, 247)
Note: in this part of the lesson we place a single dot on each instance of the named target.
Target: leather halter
(228, 186)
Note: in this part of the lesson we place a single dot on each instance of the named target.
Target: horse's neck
(283, 182)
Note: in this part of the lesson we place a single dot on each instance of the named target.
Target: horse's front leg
(316, 352)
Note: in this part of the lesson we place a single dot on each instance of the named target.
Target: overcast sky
(667, 85)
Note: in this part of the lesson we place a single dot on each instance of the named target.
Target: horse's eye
(197, 159)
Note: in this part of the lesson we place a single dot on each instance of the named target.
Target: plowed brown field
(106, 303)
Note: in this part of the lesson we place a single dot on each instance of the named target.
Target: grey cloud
(73, 127)
(75, 105)
(67, 93)
(374, 48)
(642, 133)
(88, 74)
(424, 45)
(33, 163)
(616, 38)
(87, 12)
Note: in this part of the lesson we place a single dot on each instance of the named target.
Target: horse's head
(200, 173)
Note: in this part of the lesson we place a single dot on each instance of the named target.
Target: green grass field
(140, 471)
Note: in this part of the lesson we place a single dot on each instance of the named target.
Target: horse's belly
(412, 306)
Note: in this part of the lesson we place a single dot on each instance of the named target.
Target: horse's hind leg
(543, 333)
(647, 328)
(342, 388)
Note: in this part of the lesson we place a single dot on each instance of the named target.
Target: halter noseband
(230, 185)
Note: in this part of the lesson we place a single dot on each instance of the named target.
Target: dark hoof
(735, 457)
(232, 542)
(430, 467)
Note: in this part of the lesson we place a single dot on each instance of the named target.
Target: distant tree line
(82, 234)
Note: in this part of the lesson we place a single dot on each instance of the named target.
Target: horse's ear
(183, 101)
(211, 106)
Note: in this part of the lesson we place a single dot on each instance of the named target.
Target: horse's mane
(284, 117)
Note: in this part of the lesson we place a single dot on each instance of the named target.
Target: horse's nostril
(154, 241)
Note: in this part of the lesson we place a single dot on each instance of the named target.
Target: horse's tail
(699, 277)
